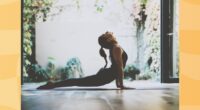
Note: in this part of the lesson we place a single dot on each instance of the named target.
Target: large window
(60, 38)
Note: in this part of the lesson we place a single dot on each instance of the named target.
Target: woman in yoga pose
(105, 75)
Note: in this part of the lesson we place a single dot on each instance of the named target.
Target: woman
(105, 75)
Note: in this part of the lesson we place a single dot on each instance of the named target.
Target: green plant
(64, 73)
(145, 77)
(143, 1)
(73, 69)
(131, 71)
(36, 74)
(51, 68)
(31, 11)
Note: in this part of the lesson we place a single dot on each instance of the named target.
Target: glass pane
(176, 40)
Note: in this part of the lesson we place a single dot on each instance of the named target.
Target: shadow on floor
(98, 89)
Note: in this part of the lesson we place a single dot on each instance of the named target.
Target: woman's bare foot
(48, 85)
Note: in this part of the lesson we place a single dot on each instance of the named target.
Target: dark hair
(103, 54)
(104, 44)
(102, 40)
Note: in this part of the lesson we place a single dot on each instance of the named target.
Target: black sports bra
(124, 58)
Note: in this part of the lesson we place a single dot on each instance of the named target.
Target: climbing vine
(33, 9)
(147, 20)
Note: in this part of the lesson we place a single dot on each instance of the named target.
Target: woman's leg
(86, 81)
(102, 77)
(89, 81)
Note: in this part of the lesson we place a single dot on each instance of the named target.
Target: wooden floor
(146, 96)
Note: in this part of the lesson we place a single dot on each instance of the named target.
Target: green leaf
(27, 62)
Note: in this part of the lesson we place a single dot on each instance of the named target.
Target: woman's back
(124, 59)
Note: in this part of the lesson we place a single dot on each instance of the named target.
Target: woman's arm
(117, 83)
(117, 54)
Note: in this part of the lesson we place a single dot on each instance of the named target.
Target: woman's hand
(124, 87)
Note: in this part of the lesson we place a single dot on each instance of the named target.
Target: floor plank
(146, 96)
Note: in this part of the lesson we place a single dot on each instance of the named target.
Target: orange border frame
(10, 39)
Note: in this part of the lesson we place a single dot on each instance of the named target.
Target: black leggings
(104, 76)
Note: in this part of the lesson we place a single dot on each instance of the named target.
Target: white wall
(74, 33)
